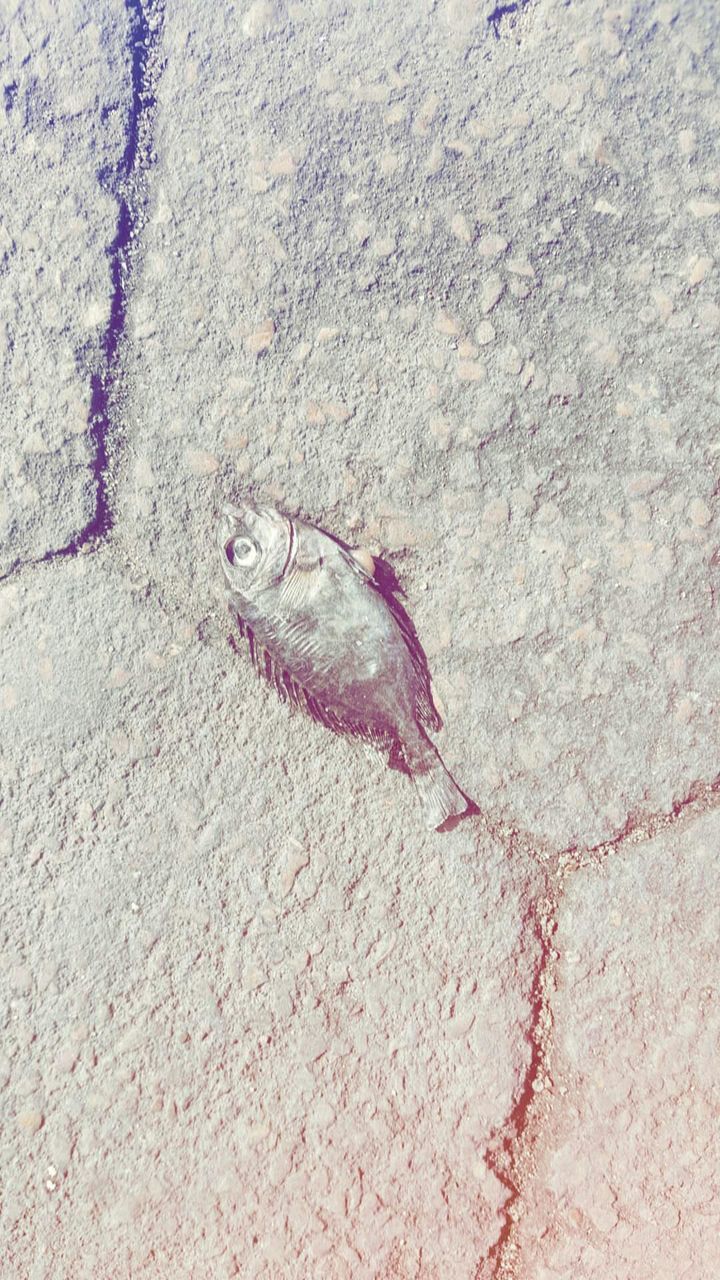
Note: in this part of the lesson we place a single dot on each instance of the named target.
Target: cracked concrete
(620, 1176)
(70, 480)
(444, 278)
(66, 104)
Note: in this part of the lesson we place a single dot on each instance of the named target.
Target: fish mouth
(234, 518)
(227, 526)
(234, 513)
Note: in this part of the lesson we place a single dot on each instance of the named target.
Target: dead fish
(333, 639)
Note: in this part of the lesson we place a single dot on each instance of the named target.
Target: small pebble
(521, 267)
(95, 314)
(21, 980)
(297, 859)
(684, 711)
(323, 1115)
(445, 323)
(282, 164)
(235, 443)
(30, 1121)
(583, 52)
(336, 410)
(143, 473)
(426, 114)
(460, 1024)
(381, 949)
(709, 316)
(547, 513)
(511, 360)
(604, 206)
(262, 16)
(460, 228)
(703, 208)
(485, 333)
(557, 94)
(440, 429)
(66, 1060)
(491, 246)
(515, 621)
(643, 483)
(496, 513)
(261, 339)
(314, 414)
(492, 292)
(699, 513)
(470, 371)
(611, 42)
(436, 158)
(389, 163)
(253, 977)
(200, 462)
(312, 1047)
(360, 231)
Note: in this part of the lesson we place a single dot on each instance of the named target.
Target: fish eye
(241, 552)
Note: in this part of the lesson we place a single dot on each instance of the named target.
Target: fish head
(256, 545)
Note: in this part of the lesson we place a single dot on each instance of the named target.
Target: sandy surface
(444, 279)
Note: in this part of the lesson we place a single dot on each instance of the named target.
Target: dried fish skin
(322, 631)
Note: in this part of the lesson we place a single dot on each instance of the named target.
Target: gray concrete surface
(63, 127)
(447, 285)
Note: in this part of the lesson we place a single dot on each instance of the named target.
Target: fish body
(323, 632)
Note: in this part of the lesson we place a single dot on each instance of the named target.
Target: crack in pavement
(503, 11)
(127, 183)
(507, 1153)
(510, 1156)
(639, 828)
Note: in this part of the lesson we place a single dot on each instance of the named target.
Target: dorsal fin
(425, 709)
(358, 559)
(384, 580)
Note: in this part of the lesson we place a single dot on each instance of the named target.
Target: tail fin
(444, 804)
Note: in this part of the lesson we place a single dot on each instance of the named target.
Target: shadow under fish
(324, 625)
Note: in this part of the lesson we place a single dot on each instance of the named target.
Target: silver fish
(333, 639)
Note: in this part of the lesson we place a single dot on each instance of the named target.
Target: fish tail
(443, 803)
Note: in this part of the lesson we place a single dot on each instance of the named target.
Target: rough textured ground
(63, 130)
(627, 1179)
(443, 278)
